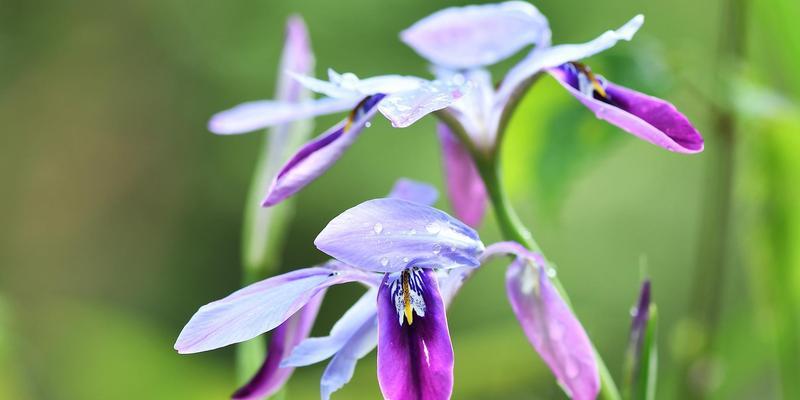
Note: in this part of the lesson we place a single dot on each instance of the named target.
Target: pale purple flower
(413, 259)
(401, 99)
(461, 41)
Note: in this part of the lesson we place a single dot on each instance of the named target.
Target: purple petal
(297, 57)
(415, 361)
(542, 58)
(640, 318)
(258, 308)
(340, 370)
(474, 36)
(464, 184)
(316, 156)
(552, 329)
(251, 116)
(270, 377)
(386, 235)
(405, 108)
(649, 118)
(413, 191)
(314, 350)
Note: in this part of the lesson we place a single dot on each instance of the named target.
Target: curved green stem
(513, 229)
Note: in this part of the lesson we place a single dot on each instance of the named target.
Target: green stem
(513, 229)
(696, 370)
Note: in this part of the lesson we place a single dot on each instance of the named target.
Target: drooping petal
(271, 377)
(386, 235)
(258, 308)
(255, 115)
(314, 350)
(316, 156)
(474, 36)
(542, 58)
(340, 370)
(552, 329)
(649, 118)
(464, 184)
(474, 110)
(415, 361)
(413, 191)
(405, 108)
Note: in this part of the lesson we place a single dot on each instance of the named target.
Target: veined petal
(387, 235)
(464, 184)
(474, 36)
(649, 118)
(415, 361)
(340, 370)
(255, 115)
(270, 377)
(314, 350)
(316, 156)
(405, 108)
(552, 329)
(549, 57)
(413, 191)
(258, 308)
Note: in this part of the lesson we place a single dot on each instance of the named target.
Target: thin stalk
(513, 229)
(696, 370)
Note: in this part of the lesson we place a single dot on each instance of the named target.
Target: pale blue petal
(417, 192)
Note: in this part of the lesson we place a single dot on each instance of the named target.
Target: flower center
(588, 83)
(407, 289)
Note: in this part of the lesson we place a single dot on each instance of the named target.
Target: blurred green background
(121, 214)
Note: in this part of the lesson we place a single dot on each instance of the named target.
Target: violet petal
(386, 235)
(318, 155)
(478, 35)
(552, 329)
(464, 184)
(413, 191)
(271, 376)
(415, 362)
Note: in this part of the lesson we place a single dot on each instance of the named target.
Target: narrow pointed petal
(405, 108)
(413, 191)
(257, 308)
(340, 370)
(314, 350)
(318, 155)
(271, 377)
(552, 329)
(649, 118)
(474, 36)
(255, 115)
(415, 361)
(543, 58)
(297, 57)
(464, 184)
(335, 90)
(386, 235)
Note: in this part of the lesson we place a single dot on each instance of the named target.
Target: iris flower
(461, 42)
(401, 99)
(413, 259)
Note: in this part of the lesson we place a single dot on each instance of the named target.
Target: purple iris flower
(462, 41)
(401, 99)
(413, 260)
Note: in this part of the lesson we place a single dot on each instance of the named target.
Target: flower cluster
(412, 258)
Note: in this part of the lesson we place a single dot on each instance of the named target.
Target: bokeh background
(120, 214)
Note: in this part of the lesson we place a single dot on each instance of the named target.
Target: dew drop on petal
(378, 228)
(405, 259)
(437, 248)
(384, 261)
(634, 311)
(433, 228)
(551, 272)
(368, 124)
(412, 232)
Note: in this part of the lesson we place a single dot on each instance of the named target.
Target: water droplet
(412, 232)
(405, 259)
(437, 248)
(634, 311)
(378, 228)
(551, 272)
(452, 248)
(368, 124)
(384, 261)
(433, 228)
